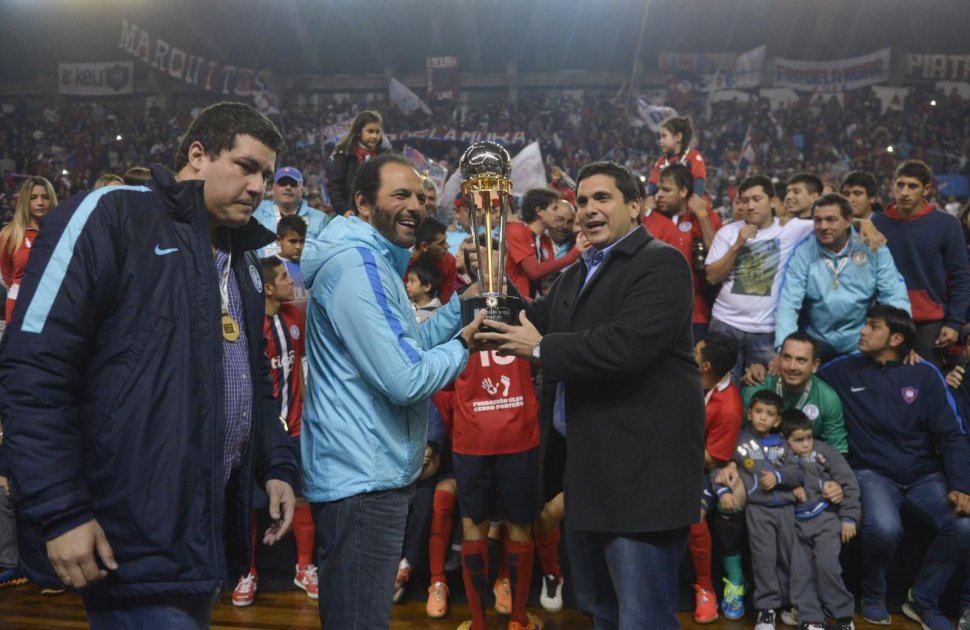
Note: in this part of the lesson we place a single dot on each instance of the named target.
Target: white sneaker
(789, 617)
(550, 595)
(964, 623)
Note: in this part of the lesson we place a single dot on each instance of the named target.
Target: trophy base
(497, 307)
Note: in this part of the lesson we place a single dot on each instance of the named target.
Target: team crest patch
(257, 279)
(686, 226)
(910, 394)
(811, 411)
(749, 463)
(860, 258)
(294, 331)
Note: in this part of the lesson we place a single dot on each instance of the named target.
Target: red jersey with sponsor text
(284, 347)
(495, 407)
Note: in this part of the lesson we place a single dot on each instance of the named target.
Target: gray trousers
(8, 534)
(816, 573)
(770, 534)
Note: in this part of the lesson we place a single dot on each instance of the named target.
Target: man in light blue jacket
(834, 277)
(371, 371)
(288, 199)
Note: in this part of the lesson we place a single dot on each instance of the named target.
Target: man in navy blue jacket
(898, 417)
(135, 393)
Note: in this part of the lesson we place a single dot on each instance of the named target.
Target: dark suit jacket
(634, 405)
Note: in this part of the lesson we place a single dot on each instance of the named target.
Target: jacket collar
(184, 202)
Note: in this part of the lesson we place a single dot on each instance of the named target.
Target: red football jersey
(692, 160)
(521, 242)
(495, 407)
(284, 347)
(722, 421)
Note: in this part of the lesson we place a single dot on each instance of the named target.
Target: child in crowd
(431, 248)
(291, 237)
(820, 527)
(676, 134)
(715, 356)
(763, 462)
(423, 283)
(284, 329)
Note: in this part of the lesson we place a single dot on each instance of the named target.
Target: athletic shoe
(534, 624)
(550, 595)
(12, 577)
(437, 606)
(733, 603)
(964, 623)
(844, 624)
(929, 617)
(766, 620)
(705, 605)
(873, 610)
(503, 596)
(788, 616)
(403, 575)
(51, 591)
(812, 626)
(245, 591)
(306, 578)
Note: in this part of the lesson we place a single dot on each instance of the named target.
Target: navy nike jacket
(111, 379)
(900, 419)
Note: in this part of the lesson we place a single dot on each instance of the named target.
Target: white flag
(405, 99)
(654, 115)
(528, 171)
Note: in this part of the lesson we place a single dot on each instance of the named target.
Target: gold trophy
(486, 169)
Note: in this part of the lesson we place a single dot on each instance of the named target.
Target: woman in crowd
(36, 198)
(361, 143)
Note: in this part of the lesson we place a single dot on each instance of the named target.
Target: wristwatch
(535, 351)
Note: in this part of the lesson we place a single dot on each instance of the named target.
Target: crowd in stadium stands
(789, 280)
(825, 135)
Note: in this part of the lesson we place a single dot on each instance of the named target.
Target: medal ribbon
(836, 270)
(804, 397)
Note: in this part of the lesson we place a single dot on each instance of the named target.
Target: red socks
(519, 558)
(474, 572)
(548, 546)
(442, 521)
(699, 542)
(304, 533)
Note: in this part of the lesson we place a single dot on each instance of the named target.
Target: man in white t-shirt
(749, 258)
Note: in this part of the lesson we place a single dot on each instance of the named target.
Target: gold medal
(835, 283)
(230, 328)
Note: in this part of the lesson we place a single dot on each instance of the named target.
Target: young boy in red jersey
(715, 356)
(284, 328)
(495, 446)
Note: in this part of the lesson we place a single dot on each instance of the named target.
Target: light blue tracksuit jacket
(371, 367)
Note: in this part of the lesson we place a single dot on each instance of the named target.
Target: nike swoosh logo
(856, 389)
(163, 252)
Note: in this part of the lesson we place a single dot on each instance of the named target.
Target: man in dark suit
(613, 338)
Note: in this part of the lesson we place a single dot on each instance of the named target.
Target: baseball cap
(288, 171)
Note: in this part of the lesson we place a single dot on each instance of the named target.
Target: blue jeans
(882, 500)
(185, 612)
(626, 582)
(359, 540)
(752, 347)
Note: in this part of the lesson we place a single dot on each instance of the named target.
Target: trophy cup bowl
(486, 169)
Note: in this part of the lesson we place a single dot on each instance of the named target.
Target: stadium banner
(938, 67)
(211, 75)
(406, 100)
(697, 63)
(747, 72)
(95, 79)
(436, 172)
(839, 75)
(528, 170)
(444, 78)
(448, 134)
